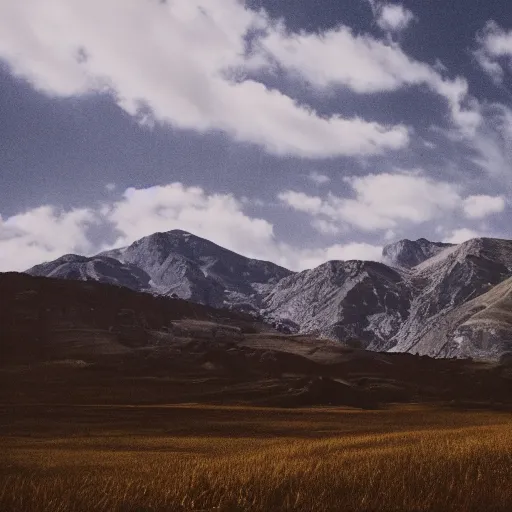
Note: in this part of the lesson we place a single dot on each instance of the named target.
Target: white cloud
(355, 251)
(389, 235)
(392, 198)
(217, 217)
(478, 207)
(316, 207)
(382, 201)
(302, 202)
(43, 234)
(490, 66)
(461, 235)
(494, 43)
(490, 148)
(394, 17)
(489, 144)
(110, 187)
(325, 227)
(386, 201)
(351, 251)
(181, 62)
(318, 178)
(338, 57)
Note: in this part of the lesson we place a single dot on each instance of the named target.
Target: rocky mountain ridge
(396, 306)
(177, 264)
(409, 253)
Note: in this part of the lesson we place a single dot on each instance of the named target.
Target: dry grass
(236, 459)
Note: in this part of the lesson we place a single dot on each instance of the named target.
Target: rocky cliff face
(447, 281)
(398, 309)
(480, 328)
(358, 302)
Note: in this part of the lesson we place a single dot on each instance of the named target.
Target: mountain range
(426, 298)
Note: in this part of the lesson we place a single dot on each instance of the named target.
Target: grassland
(193, 457)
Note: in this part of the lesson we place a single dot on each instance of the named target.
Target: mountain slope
(97, 268)
(480, 328)
(45, 318)
(381, 307)
(447, 281)
(392, 308)
(348, 301)
(177, 263)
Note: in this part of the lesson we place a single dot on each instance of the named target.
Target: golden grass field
(214, 458)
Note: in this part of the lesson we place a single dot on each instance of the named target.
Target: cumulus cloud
(393, 198)
(182, 62)
(478, 207)
(392, 17)
(45, 233)
(302, 202)
(461, 235)
(338, 56)
(217, 217)
(191, 69)
(384, 201)
(350, 251)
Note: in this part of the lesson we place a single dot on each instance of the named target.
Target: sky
(294, 131)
